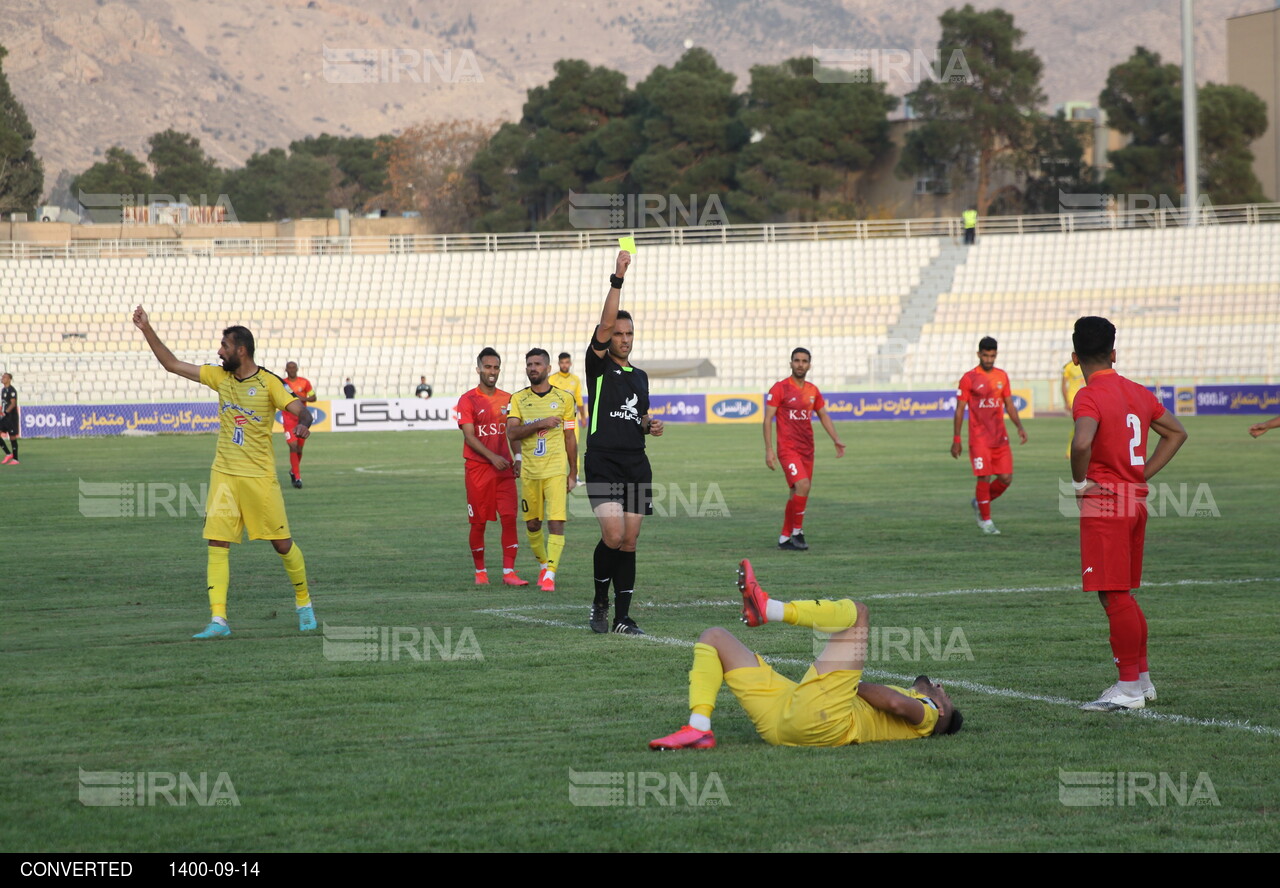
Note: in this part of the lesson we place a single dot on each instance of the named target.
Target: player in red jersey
(1109, 471)
(491, 477)
(793, 403)
(986, 392)
(303, 391)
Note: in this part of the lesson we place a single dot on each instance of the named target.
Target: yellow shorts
(544, 498)
(237, 503)
(819, 711)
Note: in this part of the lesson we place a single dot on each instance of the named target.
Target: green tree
(562, 143)
(1055, 165)
(985, 115)
(809, 139)
(692, 131)
(101, 189)
(360, 166)
(21, 173)
(181, 166)
(1143, 99)
(276, 185)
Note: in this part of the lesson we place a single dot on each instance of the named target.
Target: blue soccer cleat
(214, 630)
(306, 619)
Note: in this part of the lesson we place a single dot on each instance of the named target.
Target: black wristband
(615, 282)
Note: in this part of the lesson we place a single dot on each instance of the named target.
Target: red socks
(1127, 633)
(997, 488)
(788, 517)
(983, 495)
(477, 545)
(294, 459)
(510, 541)
(1142, 650)
(797, 514)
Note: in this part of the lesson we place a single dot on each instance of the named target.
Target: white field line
(514, 613)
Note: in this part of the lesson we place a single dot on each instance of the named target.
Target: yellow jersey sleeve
(513, 411)
(211, 375)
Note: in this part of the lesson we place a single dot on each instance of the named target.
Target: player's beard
(231, 365)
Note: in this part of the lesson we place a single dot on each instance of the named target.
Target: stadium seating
(1191, 305)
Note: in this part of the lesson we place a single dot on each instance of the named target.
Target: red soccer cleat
(512, 580)
(685, 738)
(547, 584)
(482, 578)
(754, 599)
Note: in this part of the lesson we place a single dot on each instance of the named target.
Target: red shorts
(289, 437)
(1111, 549)
(489, 493)
(795, 466)
(990, 460)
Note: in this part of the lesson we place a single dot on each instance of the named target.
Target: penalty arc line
(1010, 693)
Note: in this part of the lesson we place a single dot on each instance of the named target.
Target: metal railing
(860, 229)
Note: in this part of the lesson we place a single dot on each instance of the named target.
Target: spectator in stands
(348, 390)
(970, 219)
(423, 390)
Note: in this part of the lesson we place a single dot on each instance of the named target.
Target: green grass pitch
(417, 751)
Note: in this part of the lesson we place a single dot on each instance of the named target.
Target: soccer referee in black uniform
(619, 479)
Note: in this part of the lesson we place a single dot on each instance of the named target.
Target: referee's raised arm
(609, 314)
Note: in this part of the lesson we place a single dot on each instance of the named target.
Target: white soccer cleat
(977, 515)
(1114, 699)
(1149, 693)
(988, 526)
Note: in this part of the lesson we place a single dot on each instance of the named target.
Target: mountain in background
(247, 75)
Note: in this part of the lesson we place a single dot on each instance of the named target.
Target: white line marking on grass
(511, 613)
(378, 470)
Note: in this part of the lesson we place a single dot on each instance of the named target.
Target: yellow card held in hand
(628, 244)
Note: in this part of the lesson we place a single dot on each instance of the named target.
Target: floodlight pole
(1190, 125)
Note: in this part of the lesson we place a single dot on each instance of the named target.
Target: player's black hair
(798, 350)
(956, 721)
(564, 355)
(1093, 338)
(538, 351)
(487, 353)
(986, 343)
(241, 336)
(624, 315)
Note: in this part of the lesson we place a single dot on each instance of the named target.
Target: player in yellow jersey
(244, 492)
(1072, 382)
(548, 460)
(571, 384)
(830, 706)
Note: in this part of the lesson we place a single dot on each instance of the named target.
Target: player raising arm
(244, 493)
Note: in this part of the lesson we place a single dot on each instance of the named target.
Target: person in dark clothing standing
(619, 479)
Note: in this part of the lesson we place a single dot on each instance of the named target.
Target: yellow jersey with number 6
(246, 411)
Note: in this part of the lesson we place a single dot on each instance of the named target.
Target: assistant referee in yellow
(244, 492)
(542, 418)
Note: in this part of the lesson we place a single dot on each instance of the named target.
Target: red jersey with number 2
(797, 405)
(1124, 411)
(985, 392)
(488, 413)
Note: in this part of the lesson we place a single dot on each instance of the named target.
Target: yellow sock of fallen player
(219, 576)
(827, 616)
(296, 568)
(555, 548)
(537, 544)
(705, 679)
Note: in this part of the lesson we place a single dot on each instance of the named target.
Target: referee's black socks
(606, 562)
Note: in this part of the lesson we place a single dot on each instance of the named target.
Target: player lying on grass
(831, 705)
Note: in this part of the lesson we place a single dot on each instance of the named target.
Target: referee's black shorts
(620, 476)
(9, 423)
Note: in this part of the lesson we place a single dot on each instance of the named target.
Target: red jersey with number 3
(797, 405)
(488, 413)
(1124, 411)
(985, 392)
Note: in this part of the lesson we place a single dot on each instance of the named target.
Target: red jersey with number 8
(1124, 412)
(489, 416)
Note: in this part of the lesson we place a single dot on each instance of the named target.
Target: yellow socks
(537, 543)
(296, 568)
(705, 679)
(827, 616)
(219, 577)
(555, 548)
